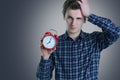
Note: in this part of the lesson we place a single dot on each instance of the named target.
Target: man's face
(74, 20)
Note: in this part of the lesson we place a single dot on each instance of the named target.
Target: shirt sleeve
(110, 33)
(45, 68)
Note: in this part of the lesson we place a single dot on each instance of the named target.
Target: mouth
(72, 27)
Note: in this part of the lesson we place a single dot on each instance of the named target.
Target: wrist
(46, 57)
(88, 15)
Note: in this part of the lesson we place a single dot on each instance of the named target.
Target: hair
(70, 4)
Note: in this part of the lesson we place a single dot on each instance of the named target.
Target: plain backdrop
(22, 24)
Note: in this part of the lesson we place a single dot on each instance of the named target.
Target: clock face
(49, 42)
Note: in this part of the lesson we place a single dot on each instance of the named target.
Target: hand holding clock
(48, 44)
(46, 53)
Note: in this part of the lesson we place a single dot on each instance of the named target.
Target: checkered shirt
(79, 60)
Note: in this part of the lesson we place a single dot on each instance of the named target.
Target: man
(77, 54)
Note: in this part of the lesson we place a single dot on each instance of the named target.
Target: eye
(69, 17)
(79, 18)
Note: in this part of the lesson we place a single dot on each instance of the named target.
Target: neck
(74, 36)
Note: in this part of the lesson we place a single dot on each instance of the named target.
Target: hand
(84, 7)
(46, 53)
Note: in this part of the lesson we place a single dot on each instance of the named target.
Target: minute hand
(49, 40)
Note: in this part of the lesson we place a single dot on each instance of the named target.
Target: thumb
(52, 50)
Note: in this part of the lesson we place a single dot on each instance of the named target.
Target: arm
(46, 65)
(45, 68)
(110, 34)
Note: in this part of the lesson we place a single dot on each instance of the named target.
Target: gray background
(23, 22)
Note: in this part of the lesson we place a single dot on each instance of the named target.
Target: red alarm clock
(49, 41)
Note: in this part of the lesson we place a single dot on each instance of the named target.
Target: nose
(73, 22)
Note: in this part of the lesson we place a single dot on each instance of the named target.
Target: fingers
(79, 1)
(41, 47)
(54, 49)
(82, 1)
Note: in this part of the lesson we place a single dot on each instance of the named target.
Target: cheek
(68, 22)
(80, 23)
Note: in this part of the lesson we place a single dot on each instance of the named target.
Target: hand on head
(84, 7)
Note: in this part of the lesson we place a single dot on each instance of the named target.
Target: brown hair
(70, 4)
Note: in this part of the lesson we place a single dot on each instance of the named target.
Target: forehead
(74, 13)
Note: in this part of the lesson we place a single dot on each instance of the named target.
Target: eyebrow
(72, 17)
(69, 16)
(79, 17)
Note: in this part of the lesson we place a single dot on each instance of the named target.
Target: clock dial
(49, 42)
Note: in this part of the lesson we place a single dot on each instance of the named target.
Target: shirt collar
(81, 35)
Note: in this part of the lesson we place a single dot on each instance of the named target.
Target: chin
(72, 31)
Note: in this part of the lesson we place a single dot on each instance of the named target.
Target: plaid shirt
(79, 60)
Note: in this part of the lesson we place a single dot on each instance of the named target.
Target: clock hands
(49, 40)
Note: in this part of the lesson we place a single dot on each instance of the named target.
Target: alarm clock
(49, 41)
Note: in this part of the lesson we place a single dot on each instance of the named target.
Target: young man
(77, 54)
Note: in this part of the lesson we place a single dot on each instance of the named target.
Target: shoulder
(63, 36)
(93, 35)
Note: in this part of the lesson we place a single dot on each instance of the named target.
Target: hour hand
(49, 40)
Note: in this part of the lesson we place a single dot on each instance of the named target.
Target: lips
(72, 27)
